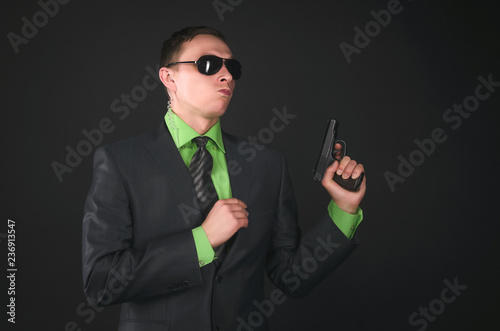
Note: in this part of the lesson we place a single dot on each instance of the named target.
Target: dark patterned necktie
(200, 169)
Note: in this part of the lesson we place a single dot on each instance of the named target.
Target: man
(186, 248)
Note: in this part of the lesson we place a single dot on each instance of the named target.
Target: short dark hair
(172, 46)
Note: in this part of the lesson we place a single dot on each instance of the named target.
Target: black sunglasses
(211, 64)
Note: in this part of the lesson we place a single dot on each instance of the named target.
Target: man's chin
(216, 114)
(218, 111)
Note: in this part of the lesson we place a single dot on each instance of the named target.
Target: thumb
(330, 171)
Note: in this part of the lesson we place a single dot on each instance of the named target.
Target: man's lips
(225, 91)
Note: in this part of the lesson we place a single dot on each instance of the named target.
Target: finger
(357, 171)
(349, 169)
(241, 215)
(236, 208)
(235, 201)
(338, 147)
(244, 222)
(328, 175)
(343, 163)
(241, 203)
(241, 219)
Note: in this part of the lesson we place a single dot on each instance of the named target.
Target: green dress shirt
(183, 135)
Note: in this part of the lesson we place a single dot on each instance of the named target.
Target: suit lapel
(239, 178)
(167, 157)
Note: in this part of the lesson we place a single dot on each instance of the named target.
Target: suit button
(219, 279)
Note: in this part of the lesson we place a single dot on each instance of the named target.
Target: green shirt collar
(183, 134)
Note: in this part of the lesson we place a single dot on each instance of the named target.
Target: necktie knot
(201, 141)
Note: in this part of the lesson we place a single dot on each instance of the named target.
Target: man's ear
(166, 78)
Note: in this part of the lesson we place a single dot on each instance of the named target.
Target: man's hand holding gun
(342, 177)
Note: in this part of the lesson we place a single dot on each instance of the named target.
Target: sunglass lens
(234, 68)
(209, 64)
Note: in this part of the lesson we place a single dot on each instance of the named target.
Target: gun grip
(349, 184)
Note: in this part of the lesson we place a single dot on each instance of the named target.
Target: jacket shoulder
(249, 147)
(133, 143)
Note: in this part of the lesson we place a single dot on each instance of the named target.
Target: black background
(440, 223)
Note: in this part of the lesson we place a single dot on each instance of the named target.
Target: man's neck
(197, 123)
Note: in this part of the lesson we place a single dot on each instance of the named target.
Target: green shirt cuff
(203, 248)
(347, 223)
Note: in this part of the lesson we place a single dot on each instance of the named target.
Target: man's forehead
(204, 45)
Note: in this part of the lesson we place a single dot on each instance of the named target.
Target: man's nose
(225, 75)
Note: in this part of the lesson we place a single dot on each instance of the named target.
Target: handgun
(327, 157)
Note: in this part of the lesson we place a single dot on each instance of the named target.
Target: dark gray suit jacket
(138, 248)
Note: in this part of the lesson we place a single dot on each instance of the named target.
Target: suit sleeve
(296, 263)
(114, 271)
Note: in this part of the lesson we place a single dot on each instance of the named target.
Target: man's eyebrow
(231, 57)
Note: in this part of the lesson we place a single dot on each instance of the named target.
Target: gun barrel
(326, 157)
